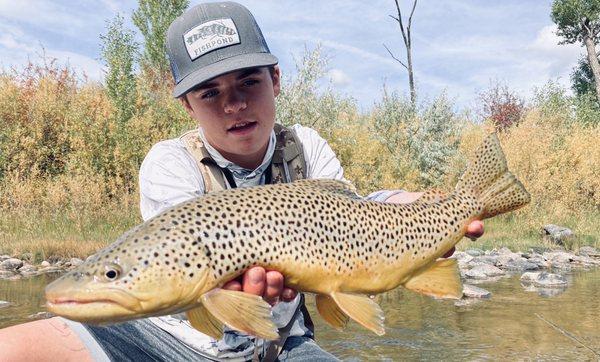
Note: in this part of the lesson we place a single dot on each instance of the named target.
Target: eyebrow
(243, 74)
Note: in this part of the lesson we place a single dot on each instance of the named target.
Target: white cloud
(339, 78)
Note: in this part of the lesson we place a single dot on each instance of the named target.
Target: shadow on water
(421, 328)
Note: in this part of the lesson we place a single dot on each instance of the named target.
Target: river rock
(75, 261)
(544, 279)
(472, 291)
(4, 304)
(589, 252)
(558, 235)
(544, 292)
(41, 315)
(4, 257)
(6, 274)
(28, 270)
(474, 252)
(50, 269)
(11, 264)
(520, 264)
(45, 264)
(483, 271)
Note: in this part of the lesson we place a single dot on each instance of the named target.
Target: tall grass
(68, 165)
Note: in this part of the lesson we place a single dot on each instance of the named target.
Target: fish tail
(488, 178)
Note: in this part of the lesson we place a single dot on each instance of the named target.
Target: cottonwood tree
(406, 37)
(119, 52)
(579, 21)
(153, 18)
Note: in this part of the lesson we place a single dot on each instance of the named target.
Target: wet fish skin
(318, 233)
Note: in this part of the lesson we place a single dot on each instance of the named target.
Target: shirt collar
(240, 173)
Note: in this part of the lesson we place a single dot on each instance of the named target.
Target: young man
(227, 81)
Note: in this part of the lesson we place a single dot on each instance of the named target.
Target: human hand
(268, 284)
(474, 229)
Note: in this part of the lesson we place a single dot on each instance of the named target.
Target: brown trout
(319, 234)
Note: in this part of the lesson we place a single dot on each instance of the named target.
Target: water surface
(421, 328)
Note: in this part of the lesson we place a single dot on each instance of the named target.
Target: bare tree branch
(396, 59)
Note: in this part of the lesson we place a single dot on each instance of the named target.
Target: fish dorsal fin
(330, 311)
(201, 319)
(362, 309)
(334, 186)
(241, 311)
(440, 280)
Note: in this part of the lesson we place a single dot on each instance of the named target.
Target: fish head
(148, 271)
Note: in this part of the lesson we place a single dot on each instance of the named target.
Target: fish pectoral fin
(241, 311)
(441, 280)
(331, 312)
(362, 309)
(201, 319)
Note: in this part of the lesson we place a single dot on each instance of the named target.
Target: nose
(235, 102)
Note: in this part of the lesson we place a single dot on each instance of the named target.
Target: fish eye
(112, 272)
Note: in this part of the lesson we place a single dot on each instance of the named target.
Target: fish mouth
(95, 307)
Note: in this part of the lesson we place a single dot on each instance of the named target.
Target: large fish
(318, 233)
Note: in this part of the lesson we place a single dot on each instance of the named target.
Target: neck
(248, 161)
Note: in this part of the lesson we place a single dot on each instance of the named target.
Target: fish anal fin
(362, 309)
(201, 319)
(241, 311)
(329, 310)
(440, 280)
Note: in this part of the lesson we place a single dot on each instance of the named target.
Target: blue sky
(459, 46)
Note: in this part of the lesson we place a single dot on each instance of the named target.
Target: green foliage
(421, 142)
(153, 18)
(301, 101)
(119, 51)
(587, 109)
(582, 78)
(576, 19)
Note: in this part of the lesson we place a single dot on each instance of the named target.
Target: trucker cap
(212, 39)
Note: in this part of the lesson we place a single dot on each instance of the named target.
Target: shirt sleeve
(168, 176)
(321, 161)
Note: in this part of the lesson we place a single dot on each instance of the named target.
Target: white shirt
(169, 174)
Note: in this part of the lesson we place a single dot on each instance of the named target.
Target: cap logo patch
(209, 36)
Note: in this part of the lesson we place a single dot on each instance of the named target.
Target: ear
(276, 80)
(186, 105)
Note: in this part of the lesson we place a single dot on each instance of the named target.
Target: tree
(153, 18)
(582, 78)
(120, 52)
(501, 106)
(579, 21)
(406, 37)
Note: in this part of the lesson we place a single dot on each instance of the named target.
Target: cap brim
(238, 62)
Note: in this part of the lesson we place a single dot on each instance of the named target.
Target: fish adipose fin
(201, 319)
(362, 309)
(488, 178)
(330, 311)
(440, 280)
(241, 311)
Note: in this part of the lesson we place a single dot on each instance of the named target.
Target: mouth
(91, 310)
(242, 128)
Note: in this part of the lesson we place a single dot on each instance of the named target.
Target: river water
(514, 324)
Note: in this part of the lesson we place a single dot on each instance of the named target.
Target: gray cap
(212, 39)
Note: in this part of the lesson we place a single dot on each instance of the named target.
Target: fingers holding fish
(474, 229)
(274, 287)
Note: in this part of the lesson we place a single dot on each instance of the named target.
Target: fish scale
(319, 234)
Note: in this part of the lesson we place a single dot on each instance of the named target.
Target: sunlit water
(506, 326)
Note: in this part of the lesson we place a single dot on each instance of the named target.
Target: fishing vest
(287, 165)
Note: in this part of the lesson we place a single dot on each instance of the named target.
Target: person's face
(237, 112)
